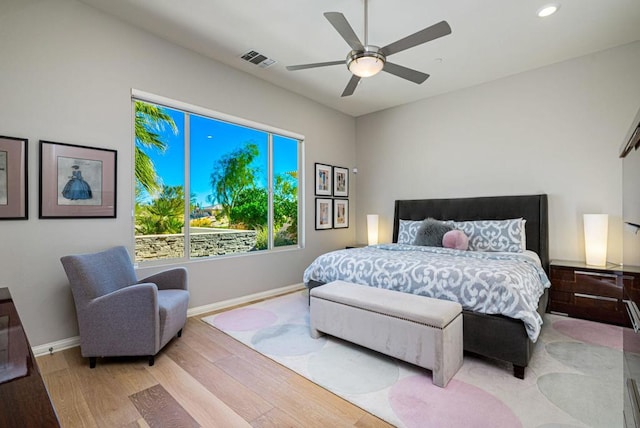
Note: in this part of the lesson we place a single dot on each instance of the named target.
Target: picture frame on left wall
(77, 181)
(324, 213)
(13, 178)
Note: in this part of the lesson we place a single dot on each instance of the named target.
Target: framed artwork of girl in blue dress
(77, 181)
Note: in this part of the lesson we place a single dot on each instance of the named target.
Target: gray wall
(554, 130)
(66, 74)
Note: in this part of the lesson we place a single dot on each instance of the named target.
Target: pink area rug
(573, 379)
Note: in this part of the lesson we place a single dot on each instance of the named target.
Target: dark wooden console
(24, 401)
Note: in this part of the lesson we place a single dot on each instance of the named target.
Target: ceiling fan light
(367, 63)
(366, 66)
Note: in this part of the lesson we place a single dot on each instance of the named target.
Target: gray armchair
(119, 315)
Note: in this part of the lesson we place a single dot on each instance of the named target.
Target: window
(236, 183)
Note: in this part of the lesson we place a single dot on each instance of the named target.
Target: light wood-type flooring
(205, 378)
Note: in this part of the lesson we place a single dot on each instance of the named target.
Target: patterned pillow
(494, 235)
(407, 231)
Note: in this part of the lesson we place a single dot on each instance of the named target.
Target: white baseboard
(243, 300)
(71, 342)
(59, 345)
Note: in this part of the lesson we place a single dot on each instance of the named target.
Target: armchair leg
(180, 333)
(152, 360)
(92, 362)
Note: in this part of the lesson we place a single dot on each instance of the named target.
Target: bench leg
(316, 334)
(448, 353)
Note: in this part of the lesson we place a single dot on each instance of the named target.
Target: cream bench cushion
(417, 329)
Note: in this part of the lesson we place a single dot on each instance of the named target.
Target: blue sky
(211, 139)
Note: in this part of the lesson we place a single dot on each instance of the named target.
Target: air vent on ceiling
(258, 59)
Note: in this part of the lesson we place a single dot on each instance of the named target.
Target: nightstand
(593, 293)
(355, 246)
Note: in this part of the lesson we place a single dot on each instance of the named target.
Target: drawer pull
(604, 275)
(591, 296)
(634, 314)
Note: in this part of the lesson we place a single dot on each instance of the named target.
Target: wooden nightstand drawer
(587, 282)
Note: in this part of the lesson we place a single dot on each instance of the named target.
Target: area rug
(574, 378)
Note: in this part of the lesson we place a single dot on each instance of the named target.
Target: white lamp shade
(372, 229)
(596, 228)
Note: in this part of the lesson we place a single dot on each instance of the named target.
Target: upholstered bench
(416, 329)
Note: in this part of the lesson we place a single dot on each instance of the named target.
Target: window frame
(188, 109)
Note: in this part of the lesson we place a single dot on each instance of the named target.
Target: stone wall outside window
(204, 244)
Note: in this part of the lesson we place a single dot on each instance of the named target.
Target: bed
(503, 337)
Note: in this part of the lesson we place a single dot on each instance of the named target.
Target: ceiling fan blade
(406, 73)
(351, 86)
(314, 65)
(342, 26)
(423, 36)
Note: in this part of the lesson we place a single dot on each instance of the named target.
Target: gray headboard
(533, 208)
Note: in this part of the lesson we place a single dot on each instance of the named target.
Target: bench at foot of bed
(416, 329)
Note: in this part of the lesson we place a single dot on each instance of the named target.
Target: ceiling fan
(366, 60)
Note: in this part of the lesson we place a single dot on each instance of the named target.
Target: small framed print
(324, 213)
(323, 179)
(340, 213)
(340, 181)
(13, 178)
(77, 181)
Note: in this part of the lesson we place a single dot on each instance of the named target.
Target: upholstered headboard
(533, 208)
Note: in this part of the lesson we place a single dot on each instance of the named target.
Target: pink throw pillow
(455, 239)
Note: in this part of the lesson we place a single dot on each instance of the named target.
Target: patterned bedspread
(509, 284)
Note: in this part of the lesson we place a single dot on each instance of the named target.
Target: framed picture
(340, 213)
(13, 178)
(340, 181)
(323, 179)
(324, 213)
(77, 181)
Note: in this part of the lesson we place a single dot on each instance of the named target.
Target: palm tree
(149, 122)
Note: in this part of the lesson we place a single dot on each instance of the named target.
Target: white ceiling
(490, 39)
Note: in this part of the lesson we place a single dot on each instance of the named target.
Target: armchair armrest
(124, 320)
(175, 278)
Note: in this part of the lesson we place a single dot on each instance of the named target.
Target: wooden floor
(205, 378)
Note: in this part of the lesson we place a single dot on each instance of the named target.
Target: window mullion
(187, 187)
(270, 187)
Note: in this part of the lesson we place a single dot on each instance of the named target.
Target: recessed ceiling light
(548, 9)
